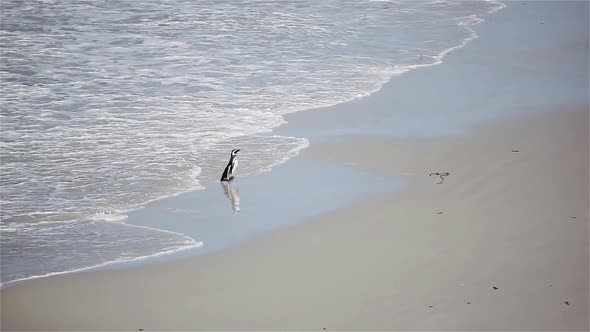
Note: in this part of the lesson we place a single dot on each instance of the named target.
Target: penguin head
(234, 152)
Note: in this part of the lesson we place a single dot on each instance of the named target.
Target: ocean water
(108, 105)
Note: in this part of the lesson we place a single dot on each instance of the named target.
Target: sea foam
(106, 109)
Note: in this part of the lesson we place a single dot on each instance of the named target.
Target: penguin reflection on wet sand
(233, 194)
(228, 173)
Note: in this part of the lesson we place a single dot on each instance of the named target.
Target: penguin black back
(231, 166)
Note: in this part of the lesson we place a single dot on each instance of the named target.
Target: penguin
(228, 173)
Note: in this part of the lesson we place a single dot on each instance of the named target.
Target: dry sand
(501, 244)
(517, 221)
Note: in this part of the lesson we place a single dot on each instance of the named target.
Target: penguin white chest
(234, 165)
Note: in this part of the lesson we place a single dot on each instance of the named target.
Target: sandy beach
(497, 240)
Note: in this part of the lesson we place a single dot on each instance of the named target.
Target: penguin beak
(238, 150)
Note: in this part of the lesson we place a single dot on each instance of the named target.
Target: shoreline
(403, 70)
(321, 240)
(183, 214)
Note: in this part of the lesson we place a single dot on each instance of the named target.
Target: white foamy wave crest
(166, 251)
(31, 250)
(108, 216)
(497, 6)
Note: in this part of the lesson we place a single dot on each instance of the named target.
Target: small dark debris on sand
(324, 328)
(140, 330)
(440, 212)
(574, 217)
(495, 288)
(567, 303)
(441, 175)
(429, 306)
(468, 302)
(515, 150)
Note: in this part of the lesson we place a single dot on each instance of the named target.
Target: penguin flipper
(226, 172)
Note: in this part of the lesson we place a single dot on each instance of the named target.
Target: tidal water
(108, 105)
